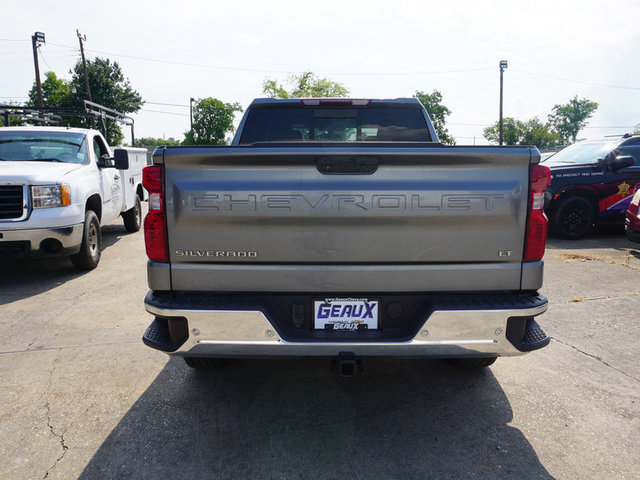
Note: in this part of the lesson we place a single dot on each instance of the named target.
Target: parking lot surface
(82, 397)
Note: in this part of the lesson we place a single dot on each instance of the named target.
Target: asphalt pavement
(82, 397)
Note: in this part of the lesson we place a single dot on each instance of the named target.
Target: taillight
(155, 225)
(536, 233)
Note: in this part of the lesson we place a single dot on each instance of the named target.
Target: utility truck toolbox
(58, 186)
(339, 227)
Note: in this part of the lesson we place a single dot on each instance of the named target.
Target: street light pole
(503, 66)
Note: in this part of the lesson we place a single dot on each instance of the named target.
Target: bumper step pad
(534, 337)
(157, 336)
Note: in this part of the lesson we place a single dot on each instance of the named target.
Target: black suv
(592, 182)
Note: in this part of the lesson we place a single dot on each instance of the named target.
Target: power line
(166, 104)
(220, 67)
(187, 64)
(73, 47)
(481, 125)
(623, 126)
(576, 81)
(23, 59)
(166, 113)
(44, 60)
(435, 72)
(253, 70)
(448, 123)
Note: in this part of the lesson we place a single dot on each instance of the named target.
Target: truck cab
(58, 186)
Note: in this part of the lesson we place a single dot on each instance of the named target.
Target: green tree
(56, 92)
(637, 130)
(517, 132)
(304, 85)
(567, 120)
(212, 120)
(150, 142)
(511, 131)
(438, 113)
(534, 132)
(108, 85)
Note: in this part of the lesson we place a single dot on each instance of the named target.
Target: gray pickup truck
(343, 228)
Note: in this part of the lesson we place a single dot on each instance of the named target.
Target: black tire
(89, 255)
(472, 363)
(133, 217)
(573, 217)
(205, 364)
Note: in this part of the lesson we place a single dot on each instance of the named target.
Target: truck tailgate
(412, 218)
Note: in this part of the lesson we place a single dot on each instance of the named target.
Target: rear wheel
(133, 217)
(573, 217)
(89, 255)
(472, 363)
(206, 364)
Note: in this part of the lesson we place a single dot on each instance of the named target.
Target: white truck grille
(12, 202)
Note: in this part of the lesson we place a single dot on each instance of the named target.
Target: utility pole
(503, 66)
(83, 38)
(36, 40)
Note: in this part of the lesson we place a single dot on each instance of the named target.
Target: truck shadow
(292, 419)
(25, 278)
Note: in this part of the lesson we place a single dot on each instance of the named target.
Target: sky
(171, 52)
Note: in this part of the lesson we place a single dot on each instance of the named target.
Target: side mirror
(121, 159)
(622, 161)
(105, 161)
(600, 164)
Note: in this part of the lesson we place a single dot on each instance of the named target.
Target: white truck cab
(58, 186)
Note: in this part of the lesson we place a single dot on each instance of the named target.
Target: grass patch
(578, 257)
(573, 257)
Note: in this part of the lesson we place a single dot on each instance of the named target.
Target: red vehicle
(632, 222)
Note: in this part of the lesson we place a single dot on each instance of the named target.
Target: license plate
(345, 314)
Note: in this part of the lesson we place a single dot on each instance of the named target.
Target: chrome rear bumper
(444, 333)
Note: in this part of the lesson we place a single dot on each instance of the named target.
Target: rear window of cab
(338, 124)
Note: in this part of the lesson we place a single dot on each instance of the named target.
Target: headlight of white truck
(48, 196)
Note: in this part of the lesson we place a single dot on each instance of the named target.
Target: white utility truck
(58, 186)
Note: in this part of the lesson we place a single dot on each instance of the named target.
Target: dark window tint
(633, 150)
(582, 153)
(339, 124)
(99, 148)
